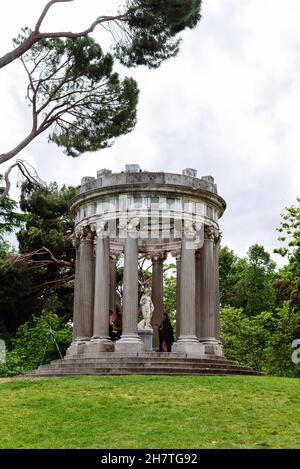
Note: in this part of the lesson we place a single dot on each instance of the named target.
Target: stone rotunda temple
(133, 215)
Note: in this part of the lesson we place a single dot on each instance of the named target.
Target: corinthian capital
(86, 233)
(176, 254)
(133, 225)
(101, 229)
(209, 232)
(190, 230)
(129, 225)
(217, 236)
(157, 256)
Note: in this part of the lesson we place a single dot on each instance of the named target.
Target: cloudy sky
(227, 105)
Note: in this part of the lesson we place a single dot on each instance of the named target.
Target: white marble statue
(147, 311)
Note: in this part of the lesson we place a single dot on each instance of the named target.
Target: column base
(212, 346)
(77, 347)
(129, 344)
(97, 345)
(188, 345)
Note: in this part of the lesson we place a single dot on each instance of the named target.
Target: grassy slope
(150, 412)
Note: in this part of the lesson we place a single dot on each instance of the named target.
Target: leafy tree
(290, 231)
(71, 84)
(170, 295)
(17, 302)
(47, 220)
(258, 280)
(43, 272)
(228, 265)
(245, 338)
(10, 287)
(290, 236)
(282, 288)
(10, 219)
(45, 242)
(33, 343)
(148, 30)
(263, 341)
(247, 283)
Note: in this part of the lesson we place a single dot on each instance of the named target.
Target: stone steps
(161, 365)
(146, 355)
(153, 366)
(139, 371)
(159, 357)
(142, 362)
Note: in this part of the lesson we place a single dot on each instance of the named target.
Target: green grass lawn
(150, 412)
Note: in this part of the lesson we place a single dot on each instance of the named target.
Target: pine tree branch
(36, 36)
(21, 164)
(43, 251)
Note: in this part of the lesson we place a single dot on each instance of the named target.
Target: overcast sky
(227, 105)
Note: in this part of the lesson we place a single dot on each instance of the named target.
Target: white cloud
(228, 105)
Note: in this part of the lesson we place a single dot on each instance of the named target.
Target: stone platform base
(141, 364)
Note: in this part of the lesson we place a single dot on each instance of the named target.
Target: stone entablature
(105, 178)
(162, 202)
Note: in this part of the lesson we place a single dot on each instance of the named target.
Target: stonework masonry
(134, 214)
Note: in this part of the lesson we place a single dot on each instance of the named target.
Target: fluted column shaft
(217, 290)
(113, 283)
(199, 292)
(76, 310)
(86, 285)
(130, 305)
(209, 304)
(187, 293)
(187, 342)
(101, 300)
(130, 341)
(178, 277)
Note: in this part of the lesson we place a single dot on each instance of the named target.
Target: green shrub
(33, 344)
(264, 341)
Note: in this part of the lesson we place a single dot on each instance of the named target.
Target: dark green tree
(42, 274)
(247, 283)
(262, 341)
(48, 221)
(228, 264)
(17, 297)
(258, 279)
(151, 30)
(10, 220)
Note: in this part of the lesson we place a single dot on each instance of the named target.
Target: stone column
(76, 312)
(187, 341)
(217, 285)
(157, 294)
(101, 341)
(130, 341)
(199, 261)
(85, 296)
(209, 313)
(177, 255)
